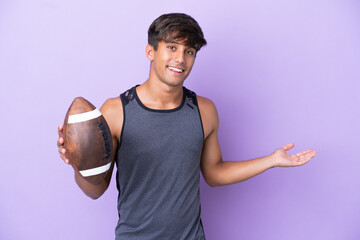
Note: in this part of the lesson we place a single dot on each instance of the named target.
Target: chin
(174, 83)
(177, 84)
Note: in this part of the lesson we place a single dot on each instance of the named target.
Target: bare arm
(217, 172)
(113, 114)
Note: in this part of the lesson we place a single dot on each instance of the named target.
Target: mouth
(175, 69)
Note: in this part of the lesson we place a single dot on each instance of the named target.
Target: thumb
(288, 146)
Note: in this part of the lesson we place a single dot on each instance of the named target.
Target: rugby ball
(87, 140)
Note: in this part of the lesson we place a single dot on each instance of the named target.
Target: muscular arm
(113, 114)
(217, 172)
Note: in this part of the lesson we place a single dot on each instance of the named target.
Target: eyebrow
(171, 41)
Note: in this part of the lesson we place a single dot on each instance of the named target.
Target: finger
(60, 142)
(288, 146)
(63, 157)
(65, 160)
(60, 130)
(312, 154)
(309, 153)
(62, 150)
(306, 157)
(303, 152)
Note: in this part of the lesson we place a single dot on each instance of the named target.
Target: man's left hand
(283, 159)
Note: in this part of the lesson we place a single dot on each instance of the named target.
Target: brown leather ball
(87, 140)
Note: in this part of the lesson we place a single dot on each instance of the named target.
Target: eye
(171, 47)
(190, 52)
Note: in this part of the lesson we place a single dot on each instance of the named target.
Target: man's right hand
(113, 114)
(60, 144)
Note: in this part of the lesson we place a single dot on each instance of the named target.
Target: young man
(163, 135)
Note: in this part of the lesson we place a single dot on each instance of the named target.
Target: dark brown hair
(176, 26)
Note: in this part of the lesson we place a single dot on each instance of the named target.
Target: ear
(150, 52)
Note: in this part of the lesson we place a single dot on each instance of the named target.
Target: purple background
(279, 71)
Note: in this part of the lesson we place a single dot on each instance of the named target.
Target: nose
(179, 57)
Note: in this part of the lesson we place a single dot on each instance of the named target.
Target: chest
(181, 131)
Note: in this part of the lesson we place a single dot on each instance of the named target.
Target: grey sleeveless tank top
(158, 170)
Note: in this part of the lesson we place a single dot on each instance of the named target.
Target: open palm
(284, 159)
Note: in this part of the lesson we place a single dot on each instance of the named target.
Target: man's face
(172, 62)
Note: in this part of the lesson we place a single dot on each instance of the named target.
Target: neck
(158, 95)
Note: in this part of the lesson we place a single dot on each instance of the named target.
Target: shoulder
(207, 108)
(206, 103)
(112, 106)
(112, 110)
(209, 115)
